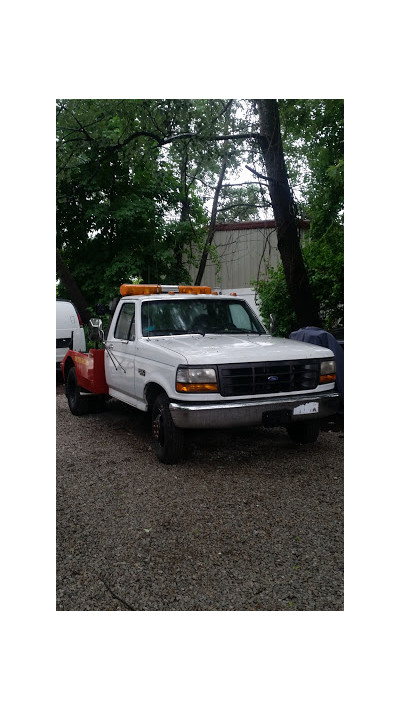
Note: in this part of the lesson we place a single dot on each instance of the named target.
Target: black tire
(78, 404)
(97, 403)
(169, 441)
(304, 432)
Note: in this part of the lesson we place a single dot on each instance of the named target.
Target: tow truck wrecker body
(198, 360)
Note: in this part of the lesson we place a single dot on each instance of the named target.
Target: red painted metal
(89, 367)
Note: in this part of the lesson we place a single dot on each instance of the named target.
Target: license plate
(307, 408)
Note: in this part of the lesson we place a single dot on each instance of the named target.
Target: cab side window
(125, 328)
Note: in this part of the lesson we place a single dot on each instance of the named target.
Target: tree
(128, 195)
(283, 205)
(72, 288)
(114, 193)
(201, 158)
(313, 138)
(133, 177)
(213, 220)
(312, 132)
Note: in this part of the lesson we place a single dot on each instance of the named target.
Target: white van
(69, 330)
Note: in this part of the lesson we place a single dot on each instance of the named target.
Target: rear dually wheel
(78, 404)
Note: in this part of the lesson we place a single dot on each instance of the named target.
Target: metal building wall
(244, 255)
(245, 251)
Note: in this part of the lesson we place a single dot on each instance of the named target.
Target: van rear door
(69, 332)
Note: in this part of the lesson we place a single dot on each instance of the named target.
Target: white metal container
(69, 330)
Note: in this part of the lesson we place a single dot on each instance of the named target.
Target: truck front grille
(271, 377)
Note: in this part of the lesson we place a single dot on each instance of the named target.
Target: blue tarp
(311, 334)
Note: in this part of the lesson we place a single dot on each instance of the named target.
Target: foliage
(131, 201)
(117, 198)
(312, 132)
(240, 204)
(273, 297)
(135, 179)
(313, 138)
(324, 263)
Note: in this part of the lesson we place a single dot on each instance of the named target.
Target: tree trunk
(214, 211)
(185, 210)
(72, 288)
(211, 229)
(303, 302)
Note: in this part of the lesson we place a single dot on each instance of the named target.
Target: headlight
(196, 380)
(327, 372)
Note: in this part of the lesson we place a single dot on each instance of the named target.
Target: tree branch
(164, 141)
(242, 204)
(232, 136)
(225, 108)
(83, 129)
(236, 185)
(259, 175)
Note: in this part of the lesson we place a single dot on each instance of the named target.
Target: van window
(125, 328)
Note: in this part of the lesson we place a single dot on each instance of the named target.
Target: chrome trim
(240, 413)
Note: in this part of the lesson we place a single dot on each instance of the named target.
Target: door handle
(110, 346)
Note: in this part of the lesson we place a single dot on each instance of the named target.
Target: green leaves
(129, 206)
(114, 195)
(324, 263)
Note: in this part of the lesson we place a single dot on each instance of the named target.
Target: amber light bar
(145, 289)
(139, 289)
(195, 289)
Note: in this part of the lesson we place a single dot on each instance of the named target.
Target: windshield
(173, 316)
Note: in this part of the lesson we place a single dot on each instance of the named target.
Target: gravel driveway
(249, 521)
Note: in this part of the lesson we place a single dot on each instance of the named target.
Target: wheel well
(69, 363)
(151, 393)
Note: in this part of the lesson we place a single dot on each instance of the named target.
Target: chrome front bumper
(240, 413)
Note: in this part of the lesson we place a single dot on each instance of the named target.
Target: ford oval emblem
(273, 378)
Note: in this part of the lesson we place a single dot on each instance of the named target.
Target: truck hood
(225, 348)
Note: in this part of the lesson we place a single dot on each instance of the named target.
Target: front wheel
(168, 439)
(78, 404)
(304, 432)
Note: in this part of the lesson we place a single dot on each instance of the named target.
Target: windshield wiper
(196, 332)
(247, 330)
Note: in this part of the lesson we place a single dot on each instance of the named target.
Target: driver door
(120, 361)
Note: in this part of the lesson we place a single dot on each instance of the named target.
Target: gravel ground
(249, 521)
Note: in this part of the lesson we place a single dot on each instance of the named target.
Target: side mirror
(95, 331)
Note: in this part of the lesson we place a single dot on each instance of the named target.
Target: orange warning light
(195, 289)
(139, 289)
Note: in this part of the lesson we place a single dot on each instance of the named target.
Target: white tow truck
(195, 359)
